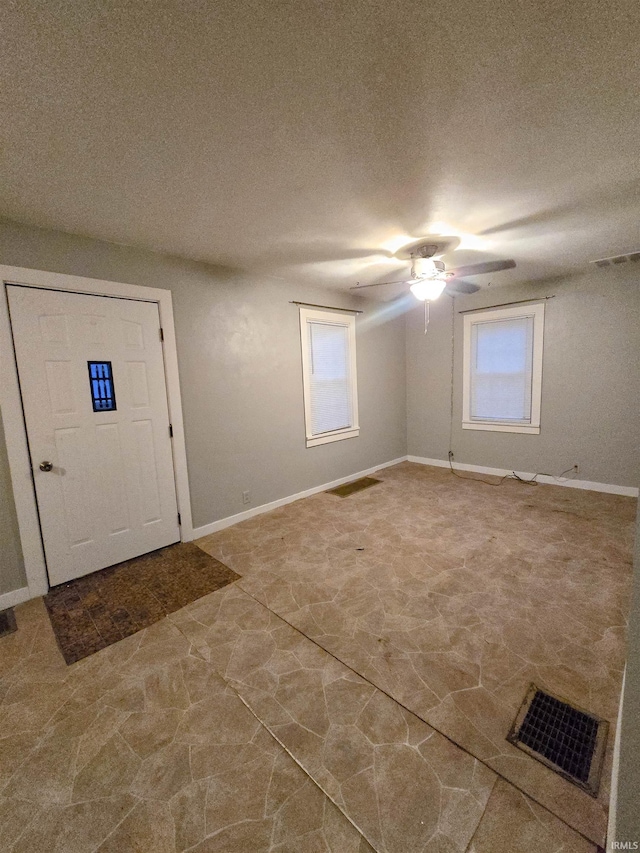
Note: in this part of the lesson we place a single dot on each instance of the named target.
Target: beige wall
(590, 383)
(240, 373)
(12, 574)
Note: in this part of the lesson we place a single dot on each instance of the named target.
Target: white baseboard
(206, 529)
(615, 772)
(629, 491)
(17, 596)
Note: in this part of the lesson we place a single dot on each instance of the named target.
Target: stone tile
(74, 829)
(214, 759)
(409, 798)
(125, 696)
(238, 794)
(346, 699)
(110, 771)
(359, 795)
(299, 821)
(148, 731)
(581, 812)
(254, 835)
(383, 721)
(346, 752)
(216, 720)
(512, 823)
(46, 776)
(163, 774)
(340, 836)
(188, 811)
(28, 705)
(165, 687)
(14, 750)
(199, 678)
(93, 727)
(301, 693)
(15, 817)
(148, 827)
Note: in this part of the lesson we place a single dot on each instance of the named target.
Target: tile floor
(143, 747)
(452, 596)
(334, 699)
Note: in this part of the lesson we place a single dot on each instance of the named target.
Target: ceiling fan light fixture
(424, 268)
(428, 289)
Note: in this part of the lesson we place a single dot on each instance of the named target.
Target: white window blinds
(330, 381)
(501, 369)
(329, 375)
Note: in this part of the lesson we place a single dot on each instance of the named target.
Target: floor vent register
(568, 740)
(354, 486)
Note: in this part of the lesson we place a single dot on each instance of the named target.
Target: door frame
(13, 418)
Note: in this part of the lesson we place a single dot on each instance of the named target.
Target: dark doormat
(7, 622)
(353, 486)
(568, 740)
(92, 612)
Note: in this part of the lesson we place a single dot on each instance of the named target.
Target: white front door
(95, 403)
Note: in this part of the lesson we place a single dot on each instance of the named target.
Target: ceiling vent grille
(616, 260)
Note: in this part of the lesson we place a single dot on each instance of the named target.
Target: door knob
(46, 466)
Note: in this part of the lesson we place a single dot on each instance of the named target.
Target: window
(101, 382)
(329, 375)
(502, 380)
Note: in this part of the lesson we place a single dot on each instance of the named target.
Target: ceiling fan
(429, 277)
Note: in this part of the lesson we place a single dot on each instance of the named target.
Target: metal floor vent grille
(7, 622)
(570, 741)
(353, 486)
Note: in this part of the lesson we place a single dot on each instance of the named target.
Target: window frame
(532, 426)
(333, 318)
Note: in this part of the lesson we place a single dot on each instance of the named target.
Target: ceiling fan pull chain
(426, 316)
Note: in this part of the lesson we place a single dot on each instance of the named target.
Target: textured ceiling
(296, 138)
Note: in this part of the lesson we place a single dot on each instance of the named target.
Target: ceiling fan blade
(459, 285)
(298, 254)
(380, 283)
(487, 266)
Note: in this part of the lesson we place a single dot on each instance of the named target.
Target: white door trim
(13, 420)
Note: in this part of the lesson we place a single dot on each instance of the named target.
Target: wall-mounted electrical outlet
(246, 497)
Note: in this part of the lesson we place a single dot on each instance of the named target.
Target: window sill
(501, 427)
(312, 441)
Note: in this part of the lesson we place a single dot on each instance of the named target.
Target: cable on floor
(512, 476)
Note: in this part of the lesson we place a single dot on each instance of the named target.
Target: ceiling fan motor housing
(431, 246)
(428, 250)
(425, 268)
